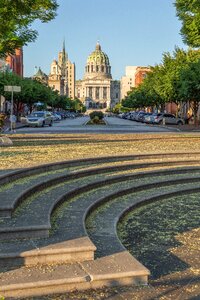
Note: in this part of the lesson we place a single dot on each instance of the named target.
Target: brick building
(15, 62)
(140, 75)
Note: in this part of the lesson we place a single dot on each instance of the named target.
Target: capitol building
(97, 89)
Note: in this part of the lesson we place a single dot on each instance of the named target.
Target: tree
(16, 18)
(188, 12)
(31, 91)
(190, 86)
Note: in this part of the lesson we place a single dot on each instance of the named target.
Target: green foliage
(16, 18)
(95, 120)
(188, 12)
(117, 108)
(98, 114)
(165, 82)
(31, 90)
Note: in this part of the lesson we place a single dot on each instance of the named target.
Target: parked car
(56, 117)
(166, 118)
(145, 116)
(137, 116)
(40, 118)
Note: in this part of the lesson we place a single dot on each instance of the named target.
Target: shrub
(95, 120)
(98, 114)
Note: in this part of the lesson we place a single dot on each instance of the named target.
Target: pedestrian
(13, 120)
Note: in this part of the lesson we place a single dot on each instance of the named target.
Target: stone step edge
(147, 200)
(77, 250)
(79, 174)
(141, 202)
(63, 164)
(93, 277)
(43, 231)
(57, 250)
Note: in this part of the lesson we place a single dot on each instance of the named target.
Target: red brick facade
(140, 74)
(16, 62)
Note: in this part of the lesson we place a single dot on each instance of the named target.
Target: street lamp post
(12, 89)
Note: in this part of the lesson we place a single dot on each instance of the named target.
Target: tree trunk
(195, 110)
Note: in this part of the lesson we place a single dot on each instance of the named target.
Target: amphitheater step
(45, 235)
(28, 252)
(114, 270)
(34, 222)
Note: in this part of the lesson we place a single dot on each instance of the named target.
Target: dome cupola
(98, 65)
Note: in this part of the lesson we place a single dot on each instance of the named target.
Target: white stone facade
(128, 81)
(97, 89)
(62, 75)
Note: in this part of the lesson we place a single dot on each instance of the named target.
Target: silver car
(40, 118)
(165, 118)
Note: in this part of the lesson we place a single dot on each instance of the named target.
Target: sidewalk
(7, 126)
(185, 127)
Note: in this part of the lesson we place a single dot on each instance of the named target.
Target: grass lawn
(165, 238)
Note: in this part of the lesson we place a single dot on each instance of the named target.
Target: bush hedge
(98, 114)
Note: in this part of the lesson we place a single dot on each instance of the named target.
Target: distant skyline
(130, 32)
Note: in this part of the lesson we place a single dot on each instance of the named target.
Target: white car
(40, 118)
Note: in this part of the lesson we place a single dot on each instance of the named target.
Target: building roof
(40, 74)
(98, 56)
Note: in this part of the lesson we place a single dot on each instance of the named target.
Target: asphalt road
(114, 125)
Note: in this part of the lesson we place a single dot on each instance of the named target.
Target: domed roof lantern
(98, 46)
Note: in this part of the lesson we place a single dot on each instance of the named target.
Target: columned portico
(97, 81)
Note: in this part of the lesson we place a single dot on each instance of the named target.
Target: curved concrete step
(30, 252)
(18, 174)
(103, 232)
(34, 222)
(114, 270)
(9, 202)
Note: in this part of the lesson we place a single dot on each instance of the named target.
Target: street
(113, 125)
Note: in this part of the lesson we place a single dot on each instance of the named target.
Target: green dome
(98, 57)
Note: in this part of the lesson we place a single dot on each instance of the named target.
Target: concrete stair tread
(29, 213)
(102, 227)
(39, 218)
(28, 248)
(107, 271)
(69, 242)
(114, 266)
(9, 202)
(66, 231)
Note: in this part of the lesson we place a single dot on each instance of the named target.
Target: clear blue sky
(131, 33)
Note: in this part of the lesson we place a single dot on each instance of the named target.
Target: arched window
(92, 68)
(88, 69)
(102, 68)
(97, 68)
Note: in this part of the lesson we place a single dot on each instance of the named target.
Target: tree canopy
(16, 18)
(176, 79)
(188, 11)
(33, 91)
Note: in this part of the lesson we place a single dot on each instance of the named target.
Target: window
(144, 75)
(97, 68)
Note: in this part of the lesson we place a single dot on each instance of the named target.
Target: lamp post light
(12, 89)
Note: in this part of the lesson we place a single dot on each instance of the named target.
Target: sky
(130, 32)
